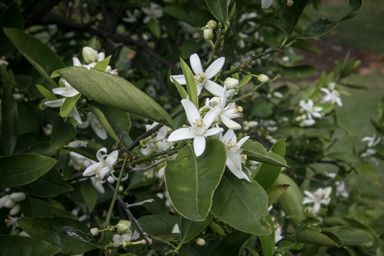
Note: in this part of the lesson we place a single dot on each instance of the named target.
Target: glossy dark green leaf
(22, 169)
(42, 58)
(289, 245)
(268, 174)
(320, 27)
(219, 9)
(231, 244)
(290, 15)
(255, 151)
(27, 118)
(73, 236)
(115, 92)
(9, 121)
(195, 178)
(310, 236)
(159, 224)
(41, 148)
(179, 13)
(350, 236)
(89, 195)
(155, 28)
(187, 250)
(10, 18)
(25, 141)
(356, 6)
(275, 192)
(292, 200)
(190, 229)
(25, 246)
(306, 223)
(298, 72)
(241, 204)
(191, 83)
(32, 207)
(268, 241)
(62, 133)
(50, 184)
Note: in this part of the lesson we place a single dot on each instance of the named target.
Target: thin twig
(139, 203)
(117, 145)
(294, 175)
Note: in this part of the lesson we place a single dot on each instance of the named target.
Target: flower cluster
(11, 201)
(320, 197)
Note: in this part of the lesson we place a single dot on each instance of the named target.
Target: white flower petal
(230, 123)
(199, 145)
(76, 62)
(242, 141)
(215, 67)
(182, 134)
(191, 111)
(213, 131)
(75, 114)
(162, 133)
(180, 79)
(99, 155)
(213, 88)
(112, 158)
(196, 64)
(91, 170)
(54, 103)
(266, 4)
(211, 116)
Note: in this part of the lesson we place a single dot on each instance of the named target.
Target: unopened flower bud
(10, 203)
(123, 226)
(121, 188)
(89, 54)
(200, 241)
(289, 2)
(17, 196)
(212, 24)
(160, 174)
(3, 200)
(208, 34)
(111, 180)
(15, 209)
(95, 231)
(263, 78)
(231, 83)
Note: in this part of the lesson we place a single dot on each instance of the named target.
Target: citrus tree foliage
(177, 127)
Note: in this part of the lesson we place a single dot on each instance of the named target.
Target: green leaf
(241, 204)
(179, 13)
(292, 200)
(46, 93)
(50, 184)
(25, 246)
(68, 105)
(310, 236)
(22, 169)
(308, 47)
(156, 207)
(27, 118)
(219, 9)
(115, 92)
(9, 121)
(261, 108)
(298, 72)
(288, 245)
(102, 65)
(306, 223)
(350, 236)
(275, 192)
(189, 47)
(268, 241)
(32, 207)
(187, 250)
(71, 235)
(89, 195)
(195, 178)
(42, 58)
(158, 224)
(62, 133)
(290, 15)
(155, 28)
(10, 18)
(190, 229)
(231, 244)
(268, 174)
(356, 6)
(255, 151)
(191, 83)
(320, 27)
(183, 93)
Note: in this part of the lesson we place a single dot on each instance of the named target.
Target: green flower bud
(200, 241)
(89, 54)
(123, 226)
(263, 78)
(212, 24)
(95, 231)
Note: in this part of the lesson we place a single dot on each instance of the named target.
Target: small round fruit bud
(200, 241)
(231, 83)
(212, 24)
(263, 78)
(123, 226)
(17, 196)
(208, 34)
(289, 2)
(95, 231)
(89, 54)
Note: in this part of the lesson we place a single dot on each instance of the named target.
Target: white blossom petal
(196, 64)
(112, 158)
(191, 111)
(215, 67)
(182, 134)
(213, 88)
(180, 79)
(199, 145)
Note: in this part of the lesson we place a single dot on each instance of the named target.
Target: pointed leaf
(190, 229)
(310, 236)
(102, 65)
(219, 9)
(356, 6)
(241, 204)
(115, 92)
(9, 121)
(25, 246)
(10, 18)
(22, 169)
(89, 195)
(255, 151)
(183, 93)
(268, 174)
(320, 27)
(73, 236)
(191, 83)
(155, 28)
(42, 58)
(268, 241)
(350, 236)
(159, 224)
(275, 193)
(68, 105)
(191, 180)
(62, 133)
(32, 207)
(50, 184)
(231, 244)
(290, 15)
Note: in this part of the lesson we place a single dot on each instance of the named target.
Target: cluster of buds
(11, 201)
(208, 29)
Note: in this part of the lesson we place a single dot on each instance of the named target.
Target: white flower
(89, 54)
(202, 77)
(66, 91)
(3, 62)
(227, 113)
(304, 121)
(130, 236)
(79, 162)
(78, 143)
(331, 96)
(105, 165)
(96, 126)
(341, 190)
(58, 103)
(265, 4)
(278, 236)
(310, 109)
(232, 83)
(200, 127)
(153, 12)
(176, 229)
(159, 143)
(372, 141)
(132, 17)
(319, 197)
(234, 155)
